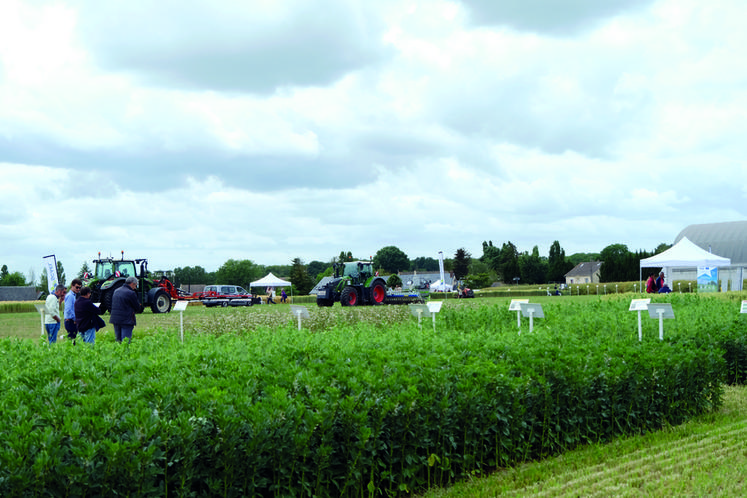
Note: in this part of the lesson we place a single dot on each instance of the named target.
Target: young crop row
(365, 404)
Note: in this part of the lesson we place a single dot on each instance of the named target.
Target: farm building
(728, 240)
(584, 273)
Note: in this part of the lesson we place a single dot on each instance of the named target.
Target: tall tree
(314, 268)
(60, 273)
(462, 259)
(557, 264)
(491, 256)
(509, 262)
(84, 269)
(423, 263)
(299, 277)
(617, 263)
(4, 272)
(238, 272)
(345, 256)
(191, 275)
(391, 259)
(533, 267)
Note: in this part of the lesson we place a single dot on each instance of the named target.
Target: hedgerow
(348, 409)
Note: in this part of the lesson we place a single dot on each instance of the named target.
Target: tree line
(504, 263)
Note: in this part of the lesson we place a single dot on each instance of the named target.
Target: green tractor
(354, 283)
(110, 274)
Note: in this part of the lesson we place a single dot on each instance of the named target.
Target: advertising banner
(50, 263)
(707, 279)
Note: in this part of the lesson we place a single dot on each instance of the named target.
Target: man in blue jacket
(125, 305)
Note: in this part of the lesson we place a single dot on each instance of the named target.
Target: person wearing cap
(125, 305)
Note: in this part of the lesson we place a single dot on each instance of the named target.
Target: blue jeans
(52, 329)
(89, 335)
(122, 331)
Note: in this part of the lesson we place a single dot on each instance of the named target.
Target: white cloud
(274, 130)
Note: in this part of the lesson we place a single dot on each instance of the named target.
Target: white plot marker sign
(516, 306)
(532, 310)
(660, 311)
(639, 305)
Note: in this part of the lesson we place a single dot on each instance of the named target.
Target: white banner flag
(50, 262)
(441, 266)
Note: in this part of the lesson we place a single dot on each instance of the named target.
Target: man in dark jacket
(124, 306)
(87, 320)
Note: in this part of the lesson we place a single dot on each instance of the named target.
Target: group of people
(82, 316)
(271, 295)
(657, 285)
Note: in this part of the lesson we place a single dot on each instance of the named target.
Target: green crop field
(362, 401)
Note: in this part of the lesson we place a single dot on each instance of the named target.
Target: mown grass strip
(704, 457)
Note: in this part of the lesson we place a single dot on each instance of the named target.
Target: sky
(191, 133)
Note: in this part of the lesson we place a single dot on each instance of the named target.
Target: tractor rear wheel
(161, 302)
(349, 296)
(378, 292)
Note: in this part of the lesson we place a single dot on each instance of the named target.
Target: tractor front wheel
(378, 292)
(107, 297)
(324, 302)
(349, 296)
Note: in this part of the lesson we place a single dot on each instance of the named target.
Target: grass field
(704, 457)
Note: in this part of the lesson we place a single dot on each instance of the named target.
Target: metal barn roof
(727, 239)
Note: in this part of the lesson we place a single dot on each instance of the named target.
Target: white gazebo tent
(271, 280)
(684, 254)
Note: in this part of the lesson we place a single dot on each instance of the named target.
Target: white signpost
(639, 305)
(180, 306)
(299, 312)
(744, 307)
(40, 308)
(660, 311)
(531, 310)
(516, 306)
(426, 310)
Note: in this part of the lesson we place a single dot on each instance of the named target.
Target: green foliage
(192, 275)
(84, 269)
(557, 265)
(462, 260)
(316, 267)
(391, 259)
(14, 279)
(533, 268)
(425, 264)
(238, 272)
(478, 281)
(362, 403)
(299, 277)
(394, 281)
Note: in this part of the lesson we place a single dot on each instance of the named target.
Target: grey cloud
(556, 18)
(236, 48)
(157, 170)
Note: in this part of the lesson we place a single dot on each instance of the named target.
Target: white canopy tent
(271, 280)
(683, 254)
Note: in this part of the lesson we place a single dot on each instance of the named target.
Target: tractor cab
(106, 268)
(357, 270)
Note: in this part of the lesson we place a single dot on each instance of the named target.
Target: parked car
(225, 295)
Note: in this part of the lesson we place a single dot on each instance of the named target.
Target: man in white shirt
(52, 313)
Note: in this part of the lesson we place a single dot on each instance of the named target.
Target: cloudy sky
(195, 132)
